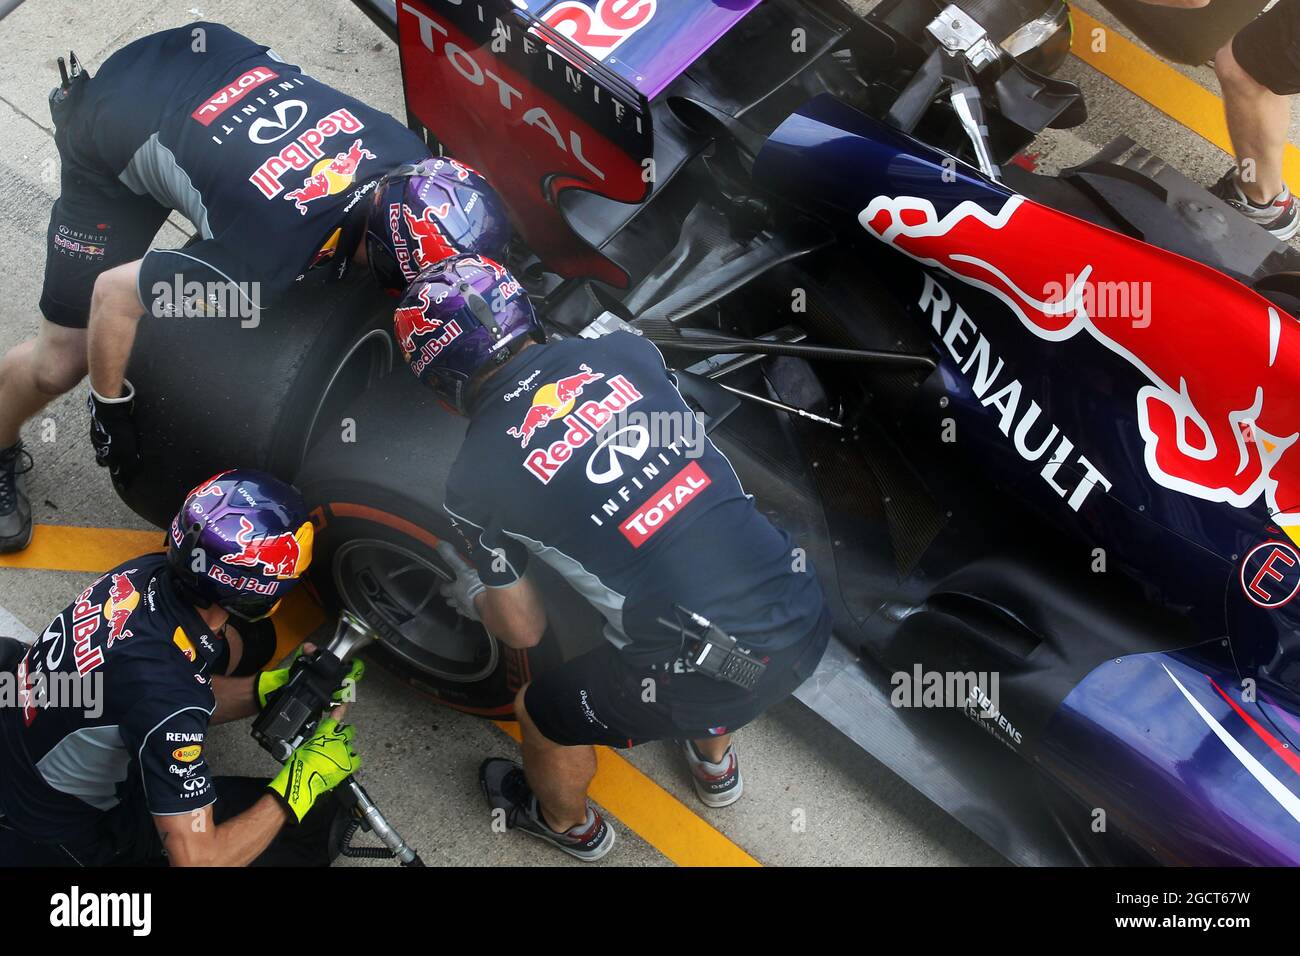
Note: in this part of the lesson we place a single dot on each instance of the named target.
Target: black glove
(112, 432)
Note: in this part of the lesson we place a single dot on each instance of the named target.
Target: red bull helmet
(460, 317)
(421, 213)
(242, 540)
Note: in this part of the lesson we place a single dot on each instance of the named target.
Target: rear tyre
(376, 503)
(212, 394)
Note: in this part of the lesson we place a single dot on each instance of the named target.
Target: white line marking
(10, 626)
(1290, 802)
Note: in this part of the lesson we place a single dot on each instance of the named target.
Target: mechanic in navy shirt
(287, 182)
(583, 454)
(127, 782)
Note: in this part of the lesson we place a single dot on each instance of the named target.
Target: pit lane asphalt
(420, 760)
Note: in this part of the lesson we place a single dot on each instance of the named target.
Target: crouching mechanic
(288, 183)
(556, 465)
(173, 641)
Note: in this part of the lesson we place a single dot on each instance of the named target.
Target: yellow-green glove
(318, 766)
(268, 682)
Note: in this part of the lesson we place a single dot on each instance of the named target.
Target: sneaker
(1281, 217)
(506, 788)
(716, 784)
(15, 508)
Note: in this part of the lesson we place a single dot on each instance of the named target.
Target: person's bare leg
(559, 776)
(712, 748)
(36, 372)
(1258, 122)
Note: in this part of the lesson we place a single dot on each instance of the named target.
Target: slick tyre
(377, 505)
(212, 394)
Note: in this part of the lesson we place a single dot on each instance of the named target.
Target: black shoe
(507, 789)
(1281, 217)
(15, 508)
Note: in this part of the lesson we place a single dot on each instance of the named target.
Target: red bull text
(581, 423)
(303, 152)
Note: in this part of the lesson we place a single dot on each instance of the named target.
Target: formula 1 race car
(1034, 432)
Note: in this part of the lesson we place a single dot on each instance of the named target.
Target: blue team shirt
(265, 160)
(583, 454)
(63, 767)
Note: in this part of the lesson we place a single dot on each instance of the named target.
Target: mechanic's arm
(320, 764)
(115, 313)
(236, 698)
(514, 615)
(496, 591)
(194, 839)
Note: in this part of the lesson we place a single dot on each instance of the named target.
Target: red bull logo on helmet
(305, 152)
(460, 170)
(285, 556)
(1219, 416)
(210, 488)
(487, 265)
(329, 177)
(430, 245)
(412, 320)
(432, 349)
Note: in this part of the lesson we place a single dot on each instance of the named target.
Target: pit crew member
(559, 465)
(174, 641)
(288, 182)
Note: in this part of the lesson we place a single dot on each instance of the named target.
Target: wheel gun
(292, 715)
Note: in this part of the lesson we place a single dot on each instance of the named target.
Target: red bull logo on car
(329, 177)
(285, 556)
(307, 151)
(1219, 416)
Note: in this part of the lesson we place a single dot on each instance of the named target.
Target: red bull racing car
(1036, 432)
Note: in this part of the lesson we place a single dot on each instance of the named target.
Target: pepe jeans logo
(525, 385)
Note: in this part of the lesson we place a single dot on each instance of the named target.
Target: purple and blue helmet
(460, 317)
(421, 213)
(241, 541)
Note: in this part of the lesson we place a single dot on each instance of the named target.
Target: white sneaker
(716, 784)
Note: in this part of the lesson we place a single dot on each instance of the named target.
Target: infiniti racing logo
(606, 462)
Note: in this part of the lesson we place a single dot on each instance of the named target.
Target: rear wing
(498, 89)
